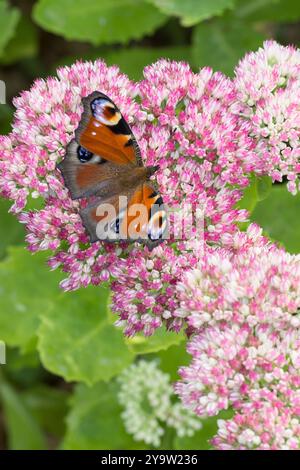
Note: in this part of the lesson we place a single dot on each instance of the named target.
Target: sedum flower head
(146, 396)
(183, 420)
(268, 90)
(150, 290)
(144, 292)
(259, 284)
(182, 121)
(265, 71)
(243, 310)
(268, 428)
(240, 366)
(45, 120)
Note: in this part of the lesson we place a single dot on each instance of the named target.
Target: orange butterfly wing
(104, 131)
(142, 219)
(103, 147)
(146, 216)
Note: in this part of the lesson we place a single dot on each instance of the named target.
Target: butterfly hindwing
(103, 218)
(157, 226)
(137, 216)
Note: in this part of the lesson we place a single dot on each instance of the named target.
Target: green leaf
(11, 231)
(201, 439)
(23, 431)
(95, 422)
(6, 116)
(278, 215)
(48, 406)
(23, 369)
(17, 362)
(258, 189)
(251, 9)
(77, 342)
(27, 289)
(268, 10)
(109, 22)
(191, 12)
(24, 43)
(172, 359)
(264, 186)
(250, 196)
(132, 61)
(160, 340)
(9, 18)
(221, 43)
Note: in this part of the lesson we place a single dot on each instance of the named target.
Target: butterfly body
(103, 162)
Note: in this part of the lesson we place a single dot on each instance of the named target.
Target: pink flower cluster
(147, 291)
(45, 120)
(257, 284)
(268, 89)
(144, 290)
(182, 122)
(243, 309)
(270, 428)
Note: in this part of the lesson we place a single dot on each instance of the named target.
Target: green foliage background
(58, 388)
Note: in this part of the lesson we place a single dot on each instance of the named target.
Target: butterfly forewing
(104, 131)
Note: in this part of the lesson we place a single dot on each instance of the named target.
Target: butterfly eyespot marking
(157, 225)
(83, 154)
(105, 112)
(115, 226)
(157, 235)
(111, 110)
(97, 102)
